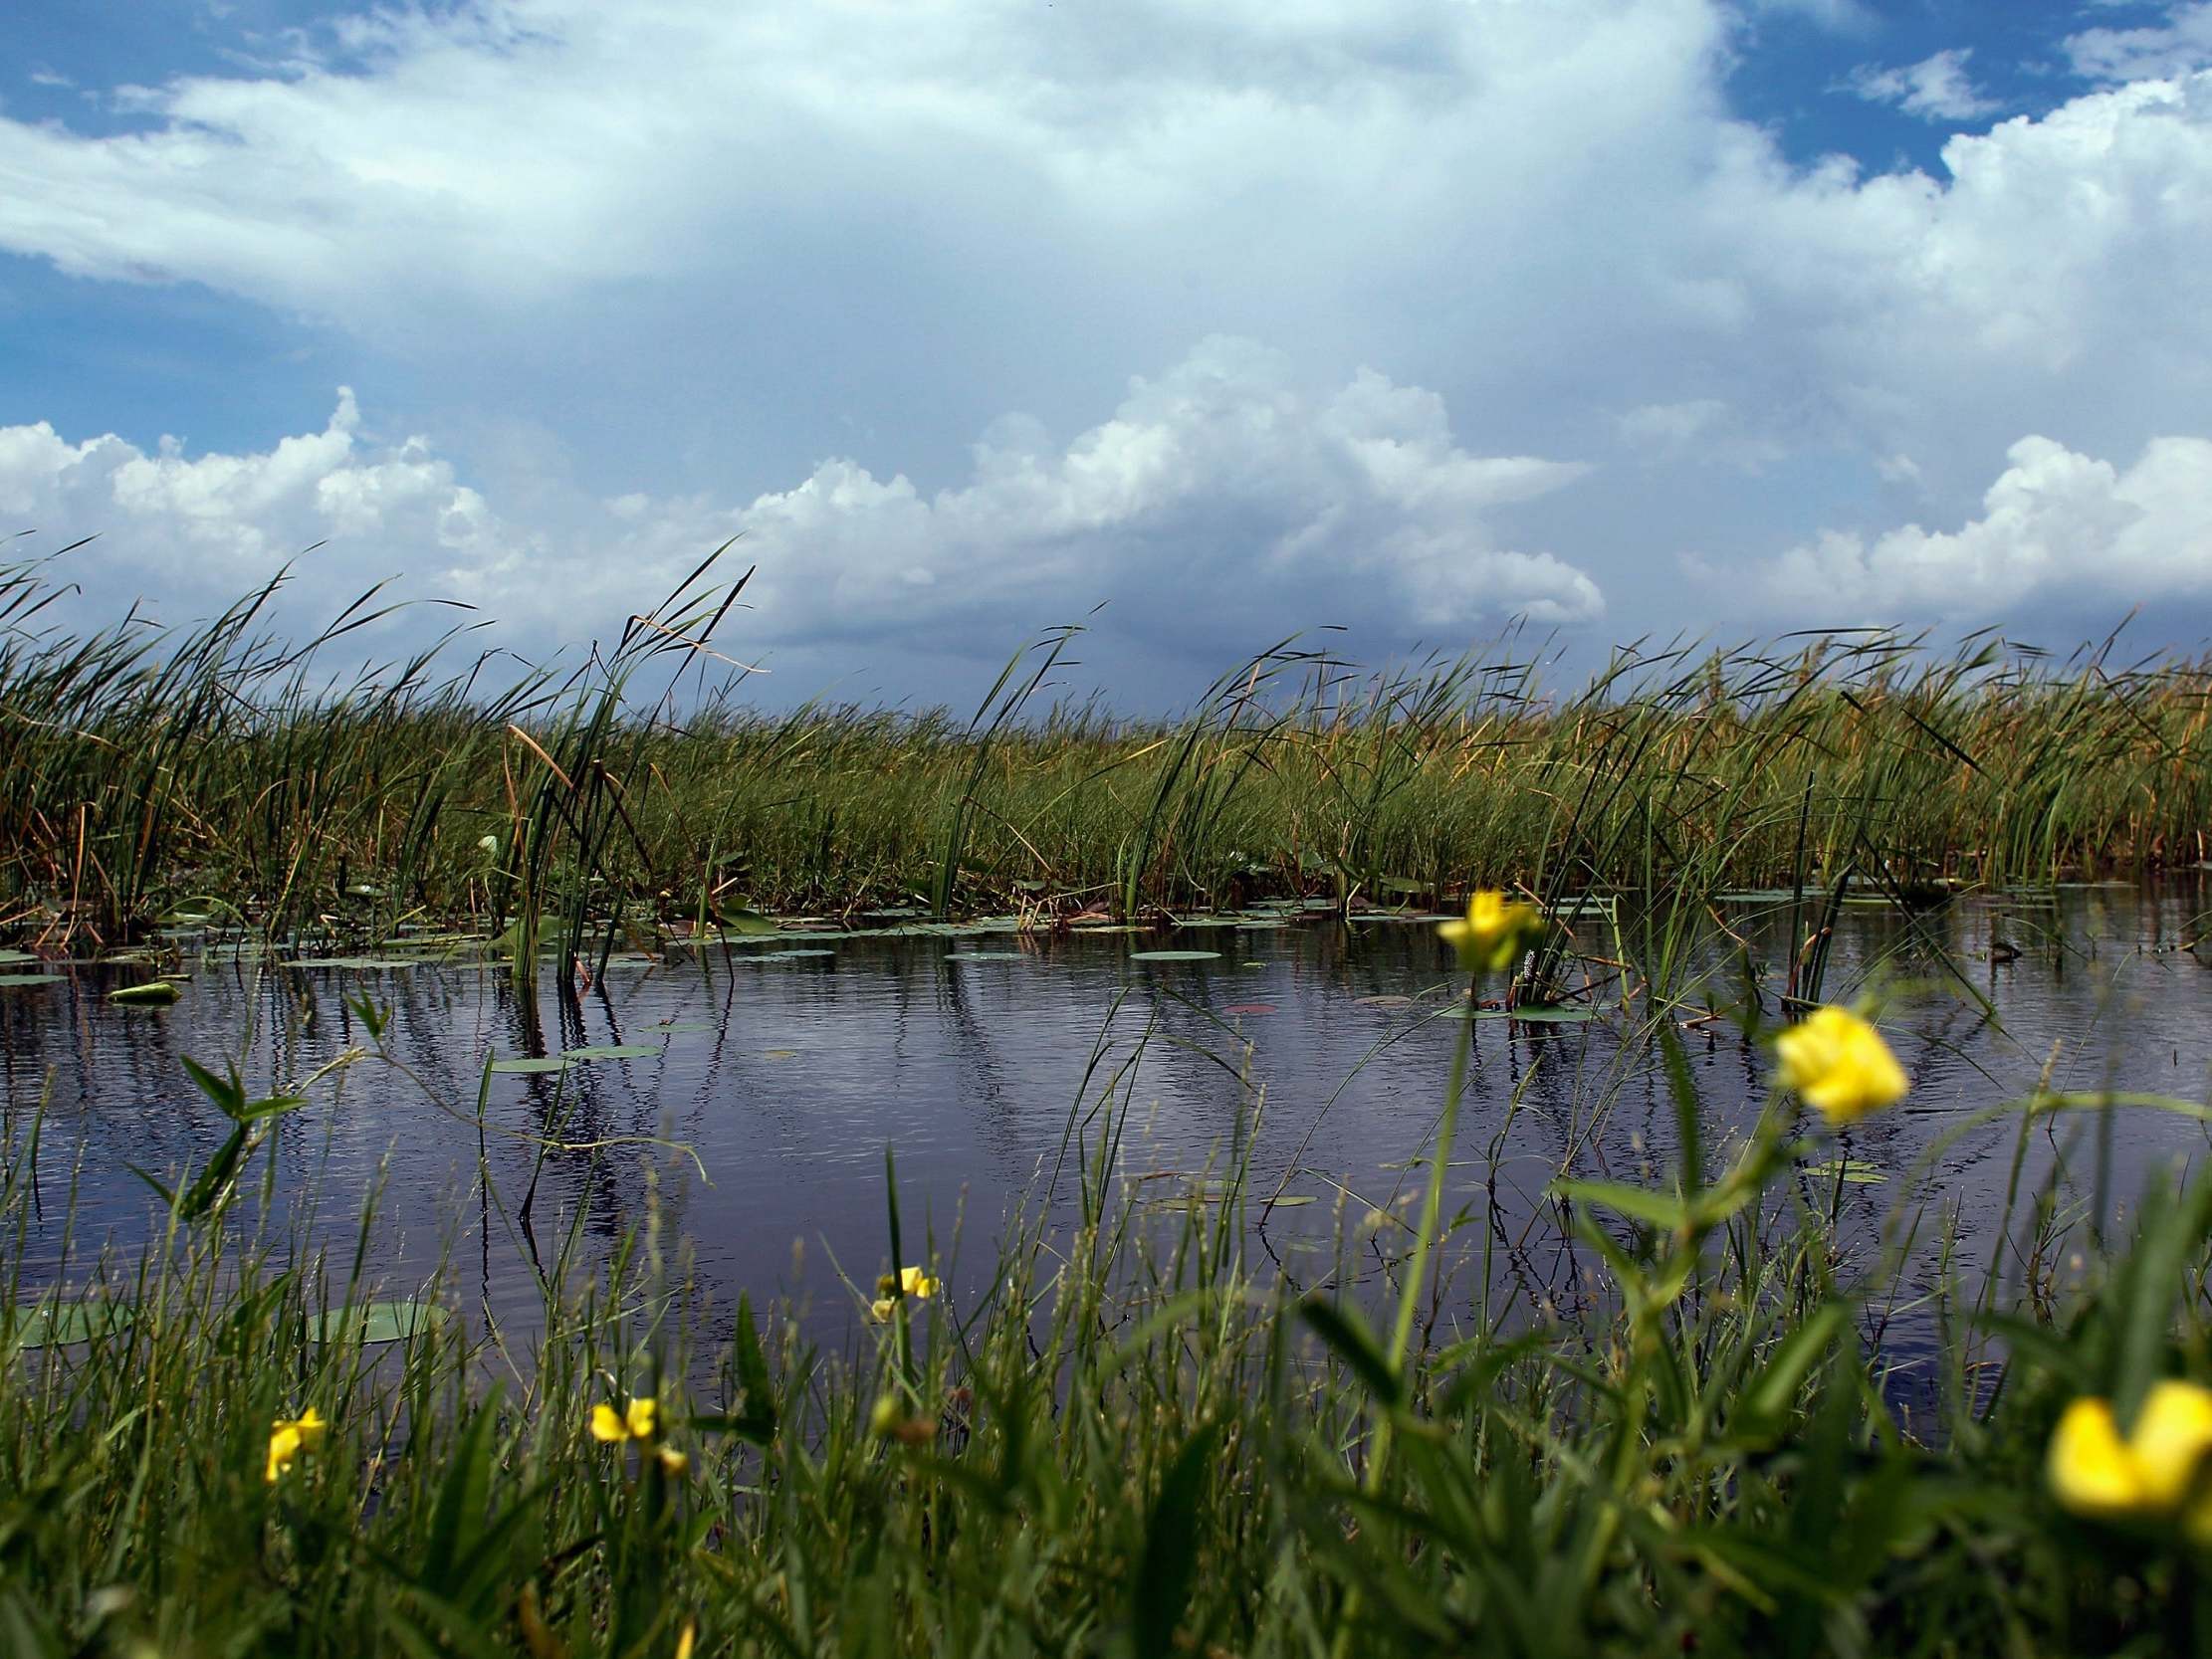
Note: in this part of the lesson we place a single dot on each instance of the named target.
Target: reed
(218, 768)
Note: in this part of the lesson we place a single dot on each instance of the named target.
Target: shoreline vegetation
(219, 774)
(1132, 1439)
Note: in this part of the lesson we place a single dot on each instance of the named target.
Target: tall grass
(218, 768)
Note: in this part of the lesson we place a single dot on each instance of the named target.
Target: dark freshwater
(787, 1076)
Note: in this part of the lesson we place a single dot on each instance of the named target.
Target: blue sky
(1628, 318)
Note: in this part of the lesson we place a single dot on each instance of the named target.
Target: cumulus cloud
(2179, 46)
(2056, 522)
(213, 524)
(1936, 88)
(1221, 499)
(714, 245)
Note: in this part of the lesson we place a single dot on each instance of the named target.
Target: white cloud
(216, 523)
(708, 246)
(2179, 46)
(2055, 522)
(1223, 498)
(1936, 88)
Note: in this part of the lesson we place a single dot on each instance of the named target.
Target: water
(758, 1117)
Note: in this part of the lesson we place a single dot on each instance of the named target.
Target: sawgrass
(217, 770)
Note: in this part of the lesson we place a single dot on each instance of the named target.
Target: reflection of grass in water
(220, 773)
(1129, 1435)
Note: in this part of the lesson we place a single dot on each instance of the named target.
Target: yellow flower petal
(917, 1284)
(607, 1423)
(2091, 1469)
(283, 1446)
(2172, 1434)
(1491, 934)
(685, 1641)
(673, 1462)
(882, 1308)
(1839, 1065)
(642, 1417)
(288, 1437)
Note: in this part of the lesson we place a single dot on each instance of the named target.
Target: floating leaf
(17, 957)
(154, 994)
(531, 1063)
(14, 980)
(1291, 1202)
(1535, 1013)
(48, 1324)
(1174, 955)
(986, 956)
(612, 1051)
(377, 1322)
(1856, 1171)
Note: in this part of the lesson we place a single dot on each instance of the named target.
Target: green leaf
(154, 994)
(1348, 1336)
(1175, 956)
(12, 981)
(1163, 1586)
(59, 1325)
(1636, 1202)
(370, 1322)
(1768, 1397)
(531, 1063)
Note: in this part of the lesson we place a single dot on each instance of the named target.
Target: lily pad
(1175, 956)
(14, 980)
(531, 1063)
(48, 1324)
(17, 957)
(1293, 1201)
(154, 994)
(612, 1051)
(985, 956)
(378, 1321)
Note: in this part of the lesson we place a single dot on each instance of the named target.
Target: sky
(1201, 322)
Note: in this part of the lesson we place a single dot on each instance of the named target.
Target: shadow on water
(751, 1093)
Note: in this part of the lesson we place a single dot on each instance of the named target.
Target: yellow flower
(1492, 932)
(689, 1637)
(1839, 1065)
(908, 1281)
(673, 1463)
(636, 1422)
(2151, 1474)
(882, 1308)
(288, 1437)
